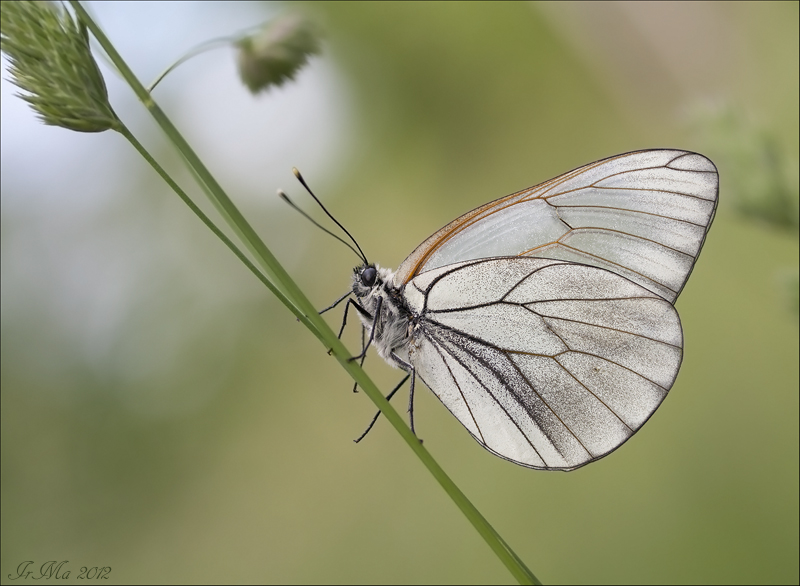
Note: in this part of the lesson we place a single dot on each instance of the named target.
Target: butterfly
(544, 320)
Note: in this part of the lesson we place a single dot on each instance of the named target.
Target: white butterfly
(544, 320)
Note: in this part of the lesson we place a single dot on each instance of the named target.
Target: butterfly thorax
(372, 283)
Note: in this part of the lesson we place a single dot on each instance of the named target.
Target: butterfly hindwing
(546, 363)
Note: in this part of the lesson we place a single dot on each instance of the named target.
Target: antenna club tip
(296, 172)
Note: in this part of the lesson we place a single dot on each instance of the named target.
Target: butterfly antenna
(303, 182)
(285, 198)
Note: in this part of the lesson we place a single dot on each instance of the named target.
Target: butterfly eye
(368, 276)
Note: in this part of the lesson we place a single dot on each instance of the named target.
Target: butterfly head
(365, 278)
(369, 279)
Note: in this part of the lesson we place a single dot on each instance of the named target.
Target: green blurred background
(163, 415)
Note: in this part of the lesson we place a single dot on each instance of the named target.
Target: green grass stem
(272, 274)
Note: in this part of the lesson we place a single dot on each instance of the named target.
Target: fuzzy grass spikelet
(50, 61)
(273, 55)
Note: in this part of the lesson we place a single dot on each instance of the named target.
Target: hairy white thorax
(393, 322)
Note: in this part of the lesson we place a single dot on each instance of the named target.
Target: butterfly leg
(411, 401)
(344, 319)
(360, 309)
(364, 344)
(374, 419)
(364, 312)
(412, 372)
(363, 354)
(335, 303)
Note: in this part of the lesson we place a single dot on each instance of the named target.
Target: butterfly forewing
(643, 215)
(546, 363)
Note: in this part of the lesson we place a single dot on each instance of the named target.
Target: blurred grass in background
(162, 415)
